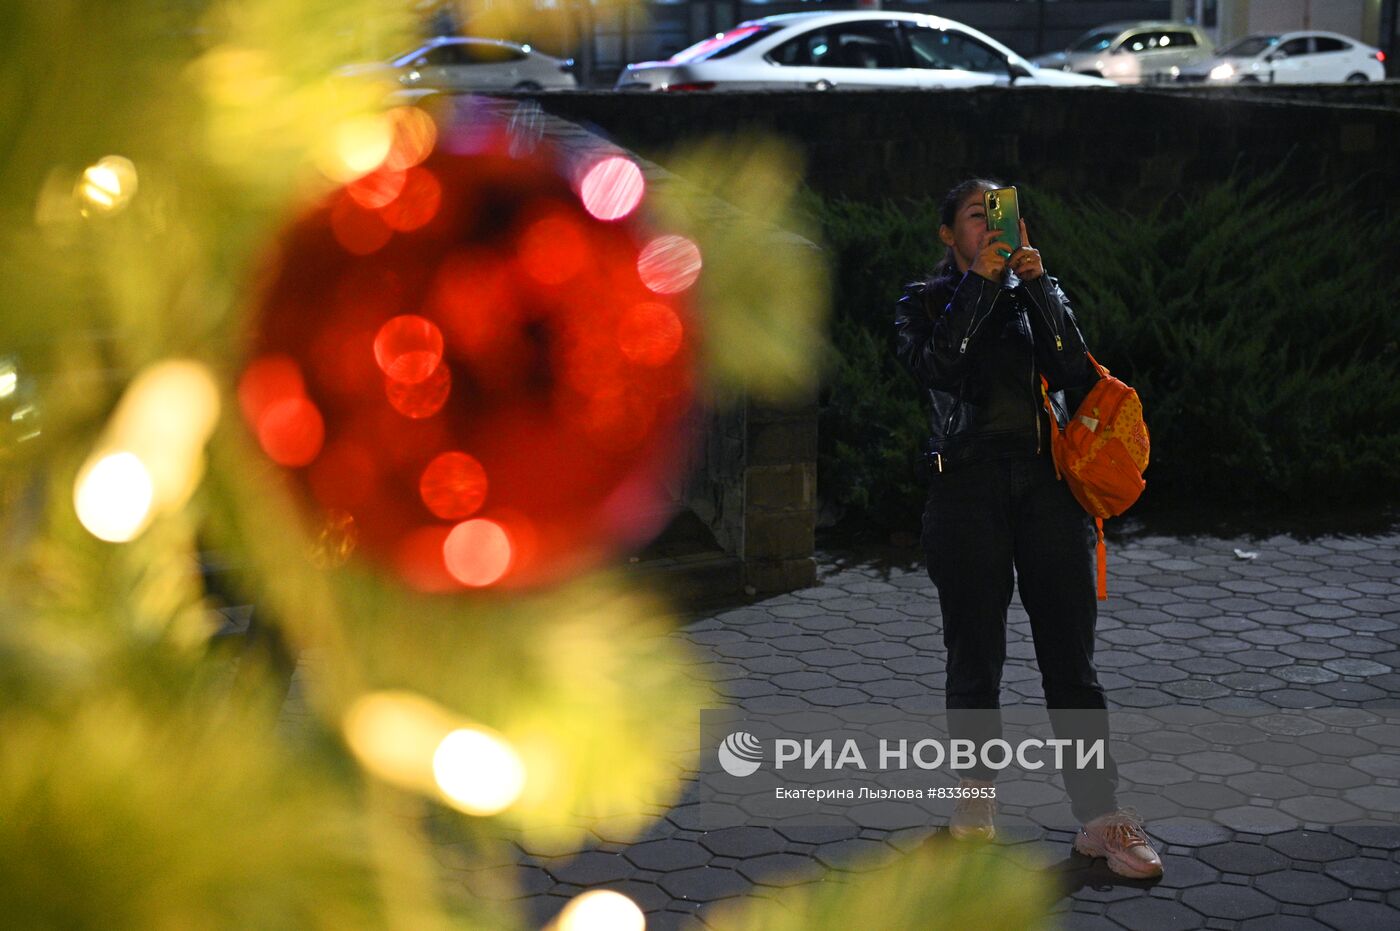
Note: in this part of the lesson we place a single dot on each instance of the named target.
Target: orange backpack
(1101, 453)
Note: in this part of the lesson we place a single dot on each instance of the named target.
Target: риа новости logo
(740, 754)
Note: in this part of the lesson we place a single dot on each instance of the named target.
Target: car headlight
(411, 77)
(1222, 72)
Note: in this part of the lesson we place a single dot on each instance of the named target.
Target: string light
(478, 772)
(600, 910)
(113, 497)
(107, 186)
(412, 742)
(150, 456)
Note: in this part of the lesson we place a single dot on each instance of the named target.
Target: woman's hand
(1025, 261)
(990, 262)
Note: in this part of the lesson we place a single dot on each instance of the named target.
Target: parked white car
(1134, 53)
(825, 51)
(456, 63)
(1290, 58)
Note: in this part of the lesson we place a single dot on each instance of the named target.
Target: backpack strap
(1101, 550)
(1054, 425)
(1103, 561)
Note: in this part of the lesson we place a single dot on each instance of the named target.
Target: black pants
(981, 521)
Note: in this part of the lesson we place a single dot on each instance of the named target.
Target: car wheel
(1249, 79)
(1357, 78)
(527, 87)
(821, 85)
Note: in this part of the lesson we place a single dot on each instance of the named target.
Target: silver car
(824, 51)
(454, 63)
(1134, 53)
(1290, 58)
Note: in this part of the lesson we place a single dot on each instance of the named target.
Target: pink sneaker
(1119, 836)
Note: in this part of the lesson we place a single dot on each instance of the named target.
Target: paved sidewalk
(1312, 625)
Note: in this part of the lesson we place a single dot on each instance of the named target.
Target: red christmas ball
(478, 363)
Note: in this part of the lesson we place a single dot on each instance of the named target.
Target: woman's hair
(948, 213)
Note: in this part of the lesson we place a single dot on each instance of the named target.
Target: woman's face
(965, 235)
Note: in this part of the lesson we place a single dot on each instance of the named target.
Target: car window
(488, 53)
(1247, 47)
(1295, 47)
(724, 44)
(950, 49)
(443, 55)
(1180, 40)
(1329, 44)
(1138, 42)
(845, 45)
(1094, 41)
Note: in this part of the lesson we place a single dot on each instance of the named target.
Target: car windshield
(726, 43)
(412, 56)
(1247, 47)
(1093, 42)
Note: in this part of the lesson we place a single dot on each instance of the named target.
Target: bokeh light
(416, 204)
(669, 264)
(478, 772)
(477, 552)
(600, 910)
(107, 186)
(414, 135)
(376, 189)
(421, 400)
(359, 230)
(291, 432)
(113, 497)
(266, 381)
(453, 486)
(612, 188)
(395, 735)
(408, 348)
(360, 145)
(650, 333)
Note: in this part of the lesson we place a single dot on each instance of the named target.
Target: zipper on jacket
(1049, 320)
(976, 323)
(948, 424)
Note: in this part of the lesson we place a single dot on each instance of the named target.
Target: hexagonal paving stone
(1313, 846)
(590, 868)
(856, 855)
(1342, 745)
(1157, 914)
(1256, 820)
(744, 841)
(704, 883)
(1231, 902)
(1205, 795)
(1300, 888)
(1215, 763)
(1359, 916)
(860, 673)
(1246, 859)
(1365, 873)
(781, 869)
(666, 854)
(1380, 803)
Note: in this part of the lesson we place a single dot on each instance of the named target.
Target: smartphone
(1004, 214)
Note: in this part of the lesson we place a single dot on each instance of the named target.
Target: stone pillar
(780, 495)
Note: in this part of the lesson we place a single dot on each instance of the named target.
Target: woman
(977, 335)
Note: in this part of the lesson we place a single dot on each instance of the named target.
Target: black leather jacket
(978, 348)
